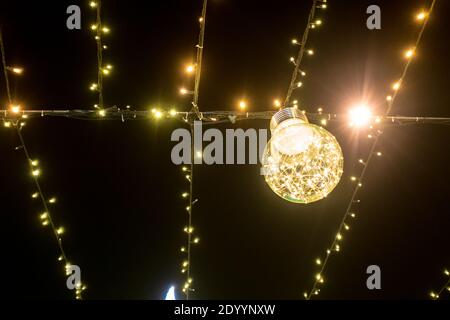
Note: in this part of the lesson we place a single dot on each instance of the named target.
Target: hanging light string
(199, 60)
(209, 117)
(437, 295)
(344, 225)
(45, 217)
(312, 24)
(100, 29)
(189, 229)
(5, 68)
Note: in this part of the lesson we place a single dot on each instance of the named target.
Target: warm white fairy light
(242, 105)
(363, 117)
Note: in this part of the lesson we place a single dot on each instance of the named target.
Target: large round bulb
(302, 162)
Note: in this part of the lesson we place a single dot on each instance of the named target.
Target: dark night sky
(119, 194)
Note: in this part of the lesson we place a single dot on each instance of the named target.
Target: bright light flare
(15, 109)
(242, 105)
(170, 295)
(360, 116)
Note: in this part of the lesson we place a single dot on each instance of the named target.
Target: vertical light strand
(45, 217)
(190, 226)
(335, 247)
(99, 54)
(199, 60)
(5, 69)
(187, 288)
(301, 52)
(103, 70)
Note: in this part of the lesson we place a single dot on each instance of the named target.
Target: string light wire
(45, 217)
(334, 247)
(301, 51)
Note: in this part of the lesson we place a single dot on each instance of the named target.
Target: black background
(119, 194)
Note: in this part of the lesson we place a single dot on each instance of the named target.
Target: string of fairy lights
(195, 113)
(421, 17)
(47, 219)
(15, 117)
(446, 287)
(312, 23)
(103, 70)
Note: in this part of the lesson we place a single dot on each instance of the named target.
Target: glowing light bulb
(310, 52)
(44, 216)
(409, 53)
(302, 162)
(93, 4)
(190, 68)
(276, 103)
(318, 22)
(196, 240)
(94, 27)
(184, 91)
(102, 113)
(396, 86)
(105, 30)
(15, 109)
(379, 154)
(17, 70)
(184, 194)
(60, 230)
(158, 114)
(360, 116)
(35, 195)
(52, 200)
(421, 16)
(36, 172)
(339, 236)
(294, 41)
(242, 105)
(318, 261)
(7, 124)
